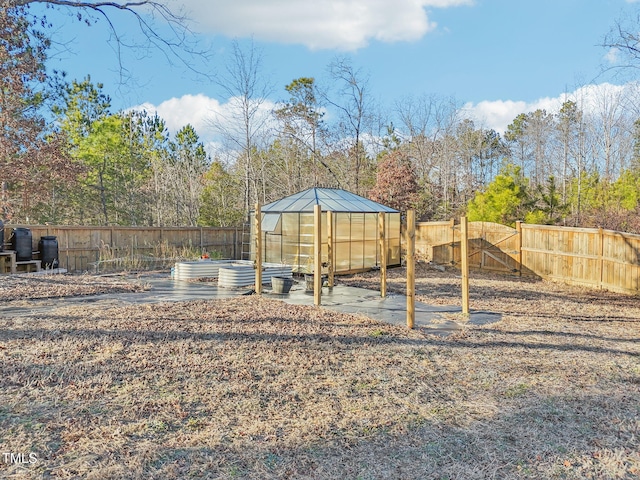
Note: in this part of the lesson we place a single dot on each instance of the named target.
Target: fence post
(258, 263)
(464, 257)
(317, 254)
(452, 229)
(411, 268)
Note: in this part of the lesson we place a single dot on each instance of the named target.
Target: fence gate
(493, 247)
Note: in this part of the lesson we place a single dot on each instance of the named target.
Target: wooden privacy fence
(92, 248)
(579, 256)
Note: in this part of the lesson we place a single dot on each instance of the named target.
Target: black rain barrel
(21, 243)
(48, 246)
(1, 236)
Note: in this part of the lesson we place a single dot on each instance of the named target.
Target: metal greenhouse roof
(332, 199)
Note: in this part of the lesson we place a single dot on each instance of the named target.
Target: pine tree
(505, 199)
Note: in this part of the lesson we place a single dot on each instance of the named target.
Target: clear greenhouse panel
(288, 231)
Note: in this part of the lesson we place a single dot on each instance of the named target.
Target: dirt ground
(36, 287)
(256, 388)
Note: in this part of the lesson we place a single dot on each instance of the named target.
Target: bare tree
(540, 129)
(354, 106)
(245, 123)
(422, 122)
(428, 126)
(611, 126)
(572, 127)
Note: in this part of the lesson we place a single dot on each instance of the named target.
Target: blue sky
(499, 57)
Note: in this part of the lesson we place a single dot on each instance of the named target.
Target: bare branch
(624, 40)
(180, 44)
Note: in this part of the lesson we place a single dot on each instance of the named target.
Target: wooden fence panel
(226, 242)
(579, 256)
(571, 255)
(621, 261)
(435, 241)
(184, 237)
(80, 248)
(133, 238)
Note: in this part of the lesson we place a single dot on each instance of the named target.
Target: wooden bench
(8, 261)
(30, 263)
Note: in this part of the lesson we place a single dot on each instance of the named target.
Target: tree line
(66, 158)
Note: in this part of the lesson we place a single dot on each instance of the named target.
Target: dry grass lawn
(255, 388)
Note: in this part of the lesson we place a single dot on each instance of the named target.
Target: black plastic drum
(21, 243)
(48, 246)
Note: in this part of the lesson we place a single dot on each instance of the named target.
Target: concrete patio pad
(441, 320)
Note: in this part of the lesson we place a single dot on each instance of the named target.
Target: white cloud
(188, 109)
(318, 24)
(498, 114)
(202, 113)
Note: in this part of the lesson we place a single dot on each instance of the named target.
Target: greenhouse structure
(288, 225)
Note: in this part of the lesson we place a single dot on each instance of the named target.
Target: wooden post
(383, 254)
(519, 246)
(411, 268)
(464, 254)
(258, 263)
(330, 251)
(317, 254)
(452, 244)
(601, 255)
